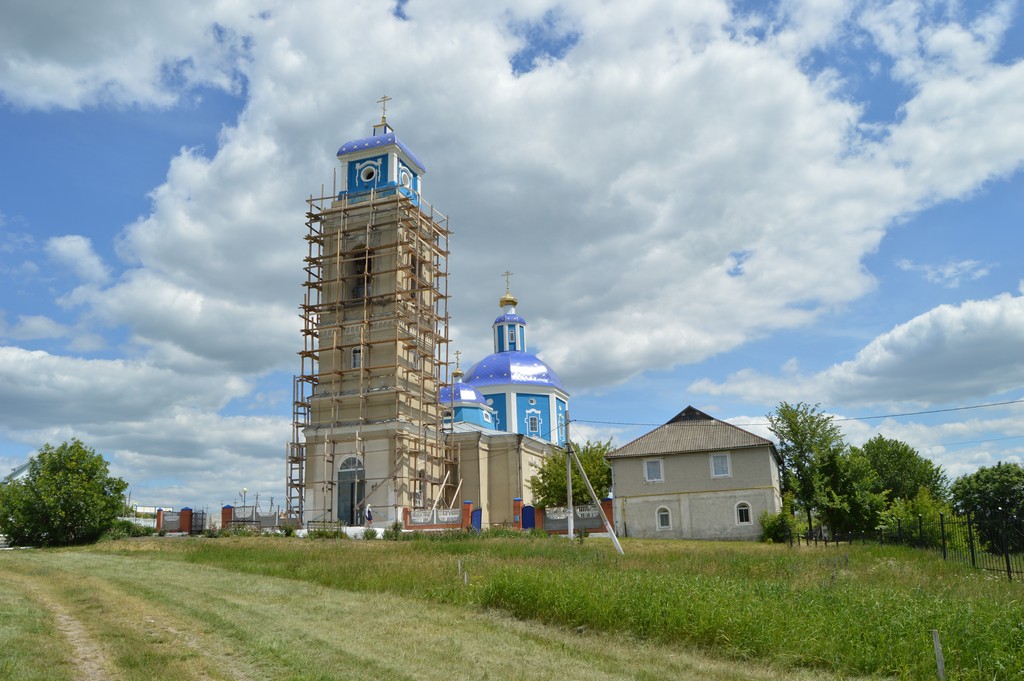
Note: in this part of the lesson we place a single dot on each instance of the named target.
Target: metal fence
(995, 543)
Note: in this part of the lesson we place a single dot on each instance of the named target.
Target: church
(383, 418)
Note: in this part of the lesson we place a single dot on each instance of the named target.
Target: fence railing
(995, 544)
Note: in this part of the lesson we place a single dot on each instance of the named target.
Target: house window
(357, 358)
(652, 470)
(664, 519)
(743, 513)
(720, 466)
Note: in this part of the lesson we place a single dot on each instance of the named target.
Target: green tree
(991, 492)
(991, 495)
(846, 495)
(67, 497)
(549, 484)
(921, 515)
(902, 472)
(803, 432)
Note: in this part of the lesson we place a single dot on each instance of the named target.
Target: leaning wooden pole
(600, 509)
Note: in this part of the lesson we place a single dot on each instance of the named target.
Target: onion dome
(520, 368)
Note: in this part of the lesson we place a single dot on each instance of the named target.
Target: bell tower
(367, 425)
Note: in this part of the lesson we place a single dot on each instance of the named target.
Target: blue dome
(463, 393)
(521, 368)
(375, 141)
(509, 318)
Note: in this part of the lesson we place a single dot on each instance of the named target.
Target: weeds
(864, 610)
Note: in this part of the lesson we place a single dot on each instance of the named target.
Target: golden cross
(457, 355)
(507, 274)
(383, 101)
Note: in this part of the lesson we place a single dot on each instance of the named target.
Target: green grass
(861, 610)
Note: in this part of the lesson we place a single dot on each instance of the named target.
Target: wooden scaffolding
(375, 354)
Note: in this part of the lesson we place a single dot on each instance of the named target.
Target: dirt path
(88, 659)
(189, 621)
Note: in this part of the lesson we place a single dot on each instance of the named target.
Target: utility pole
(568, 477)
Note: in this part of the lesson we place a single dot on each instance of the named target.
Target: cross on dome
(507, 300)
(383, 101)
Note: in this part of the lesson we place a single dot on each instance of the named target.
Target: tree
(992, 495)
(67, 497)
(902, 472)
(990, 492)
(921, 515)
(846, 495)
(549, 484)
(803, 432)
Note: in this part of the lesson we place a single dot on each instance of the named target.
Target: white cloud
(33, 327)
(673, 188)
(949, 354)
(57, 55)
(76, 253)
(949, 274)
(42, 390)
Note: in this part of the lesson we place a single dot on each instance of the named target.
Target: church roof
(463, 393)
(522, 368)
(510, 317)
(375, 141)
(690, 431)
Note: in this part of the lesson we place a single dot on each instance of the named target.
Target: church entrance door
(351, 490)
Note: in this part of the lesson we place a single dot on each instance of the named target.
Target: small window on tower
(357, 358)
(534, 424)
(511, 336)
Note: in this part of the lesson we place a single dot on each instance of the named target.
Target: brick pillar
(405, 516)
(185, 517)
(227, 515)
(159, 519)
(517, 513)
(467, 514)
(607, 507)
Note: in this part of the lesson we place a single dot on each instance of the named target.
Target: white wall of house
(691, 498)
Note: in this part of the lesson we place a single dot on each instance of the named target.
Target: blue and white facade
(379, 163)
(463, 404)
(524, 394)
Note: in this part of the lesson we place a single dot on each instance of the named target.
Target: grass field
(277, 608)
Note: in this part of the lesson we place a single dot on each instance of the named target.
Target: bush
(326, 534)
(369, 533)
(123, 529)
(68, 497)
(779, 527)
(393, 532)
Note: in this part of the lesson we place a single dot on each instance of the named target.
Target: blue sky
(719, 204)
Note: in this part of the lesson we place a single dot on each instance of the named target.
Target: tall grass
(852, 610)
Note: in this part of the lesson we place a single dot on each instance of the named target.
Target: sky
(719, 204)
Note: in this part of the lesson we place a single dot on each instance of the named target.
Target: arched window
(357, 358)
(743, 513)
(664, 519)
(362, 269)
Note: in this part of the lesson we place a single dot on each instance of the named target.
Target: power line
(848, 418)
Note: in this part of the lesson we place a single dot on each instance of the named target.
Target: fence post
(899, 531)
(970, 541)
(920, 531)
(881, 535)
(942, 531)
(1006, 548)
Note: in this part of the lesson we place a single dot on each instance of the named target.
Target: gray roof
(689, 431)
